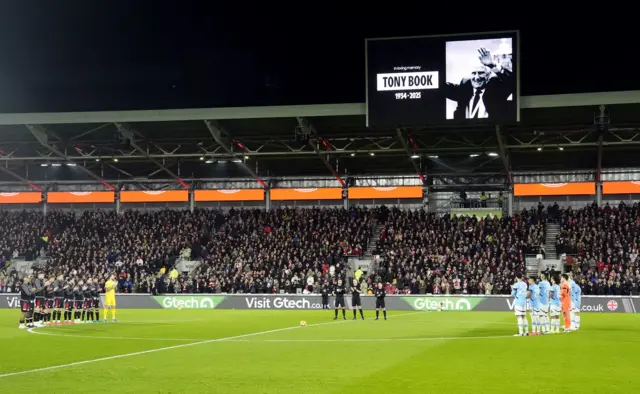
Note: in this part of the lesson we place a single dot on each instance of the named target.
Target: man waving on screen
(486, 92)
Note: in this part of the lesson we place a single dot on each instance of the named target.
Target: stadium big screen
(418, 81)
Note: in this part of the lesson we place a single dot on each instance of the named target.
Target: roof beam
(216, 131)
(504, 155)
(313, 143)
(42, 135)
(526, 102)
(127, 132)
(21, 179)
(409, 152)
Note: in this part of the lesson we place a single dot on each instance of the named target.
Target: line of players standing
(340, 290)
(57, 301)
(546, 302)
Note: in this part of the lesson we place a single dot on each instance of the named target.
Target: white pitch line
(184, 345)
(368, 339)
(39, 331)
(32, 331)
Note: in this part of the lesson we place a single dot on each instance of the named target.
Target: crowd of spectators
(241, 250)
(427, 253)
(300, 250)
(600, 245)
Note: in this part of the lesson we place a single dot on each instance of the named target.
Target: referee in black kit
(380, 304)
(338, 292)
(356, 302)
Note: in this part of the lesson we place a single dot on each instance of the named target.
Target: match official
(356, 301)
(325, 296)
(380, 304)
(338, 292)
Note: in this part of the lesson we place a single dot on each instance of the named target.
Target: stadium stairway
(373, 242)
(550, 242)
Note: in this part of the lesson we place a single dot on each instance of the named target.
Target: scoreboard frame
(514, 34)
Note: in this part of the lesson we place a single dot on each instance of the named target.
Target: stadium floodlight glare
(55, 164)
(560, 148)
(474, 155)
(433, 157)
(492, 154)
(71, 164)
(44, 165)
(372, 154)
(201, 157)
(414, 156)
(237, 161)
(209, 161)
(352, 154)
(539, 149)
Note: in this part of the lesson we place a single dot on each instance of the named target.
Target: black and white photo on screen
(481, 82)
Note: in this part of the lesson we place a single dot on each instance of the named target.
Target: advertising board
(599, 304)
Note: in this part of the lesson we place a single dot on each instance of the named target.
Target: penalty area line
(184, 345)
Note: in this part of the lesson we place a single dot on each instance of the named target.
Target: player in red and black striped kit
(58, 299)
(27, 295)
(78, 302)
(39, 299)
(69, 300)
(48, 301)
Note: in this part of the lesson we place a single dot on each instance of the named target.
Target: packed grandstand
(296, 250)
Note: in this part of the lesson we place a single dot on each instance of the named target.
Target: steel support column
(408, 150)
(313, 143)
(504, 155)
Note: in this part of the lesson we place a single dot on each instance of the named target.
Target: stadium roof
(556, 133)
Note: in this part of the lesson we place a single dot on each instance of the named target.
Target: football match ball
(179, 307)
(303, 323)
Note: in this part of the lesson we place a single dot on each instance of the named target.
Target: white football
(303, 323)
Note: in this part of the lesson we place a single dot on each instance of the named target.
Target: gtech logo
(281, 303)
(445, 303)
(195, 302)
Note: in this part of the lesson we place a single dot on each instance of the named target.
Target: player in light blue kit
(555, 306)
(576, 301)
(519, 292)
(544, 287)
(574, 309)
(534, 299)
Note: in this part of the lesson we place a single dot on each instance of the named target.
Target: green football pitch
(232, 351)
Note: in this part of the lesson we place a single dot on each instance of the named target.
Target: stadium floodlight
(414, 156)
(474, 155)
(492, 154)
